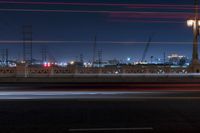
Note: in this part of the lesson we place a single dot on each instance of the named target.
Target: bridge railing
(64, 71)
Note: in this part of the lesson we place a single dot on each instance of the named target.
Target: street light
(191, 22)
(72, 62)
(195, 24)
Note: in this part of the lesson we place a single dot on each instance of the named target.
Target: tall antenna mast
(44, 54)
(94, 50)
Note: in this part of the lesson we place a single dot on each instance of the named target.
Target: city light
(72, 62)
(47, 64)
(128, 59)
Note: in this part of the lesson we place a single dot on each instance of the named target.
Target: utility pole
(194, 23)
(6, 53)
(164, 58)
(81, 58)
(100, 58)
(195, 58)
(44, 54)
(151, 59)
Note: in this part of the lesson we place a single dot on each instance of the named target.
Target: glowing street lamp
(191, 22)
(195, 24)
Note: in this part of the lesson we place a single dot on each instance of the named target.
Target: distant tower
(100, 58)
(44, 54)
(81, 58)
(6, 52)
(164, 58)
(151, 59)
(194, 23)
(27, 44)
(94, 50)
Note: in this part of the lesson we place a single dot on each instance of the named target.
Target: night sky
(128, 21)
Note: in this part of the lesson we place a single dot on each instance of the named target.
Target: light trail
(91, 11)
(146, 21)
(109, 129)
(91, 42)
(99, 95)
(152, 15)
(114, 14)
(176, 6)
(117, 14)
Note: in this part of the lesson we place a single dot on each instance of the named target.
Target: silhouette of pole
(195, 58)
(94, 50)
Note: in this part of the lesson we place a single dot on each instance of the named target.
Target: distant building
(175, 59)
(75, 64)
(113, 62)
(98, 63)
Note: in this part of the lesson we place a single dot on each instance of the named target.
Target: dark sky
(143, 18)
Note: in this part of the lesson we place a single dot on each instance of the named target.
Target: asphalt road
(96, 111)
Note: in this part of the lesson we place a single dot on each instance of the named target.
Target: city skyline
(70, 21)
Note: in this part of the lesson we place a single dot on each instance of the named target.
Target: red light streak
(114, 13)
(125, 5)
(101, 4)
(147, 21)
(152, 15)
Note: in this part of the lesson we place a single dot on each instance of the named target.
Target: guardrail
(93, 72)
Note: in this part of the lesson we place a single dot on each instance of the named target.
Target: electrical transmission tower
(27, 44)
(4, 57)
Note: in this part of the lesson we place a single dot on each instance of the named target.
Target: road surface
(108, 110)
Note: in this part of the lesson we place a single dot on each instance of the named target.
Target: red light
(48, 65)
(45, 65)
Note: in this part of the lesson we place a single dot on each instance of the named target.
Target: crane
(146, 48)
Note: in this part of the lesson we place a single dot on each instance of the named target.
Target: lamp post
(195, 24)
